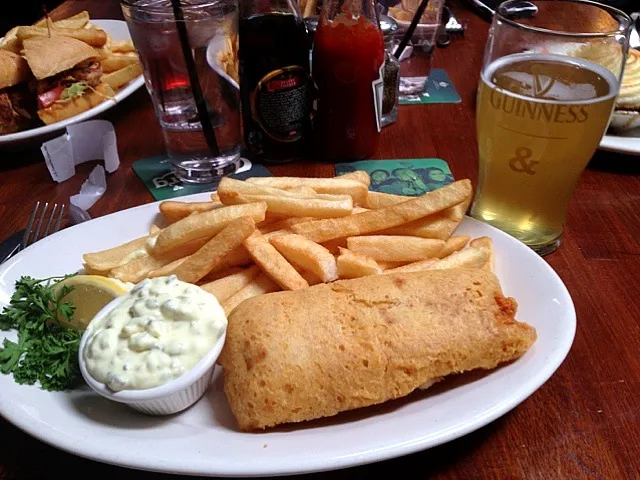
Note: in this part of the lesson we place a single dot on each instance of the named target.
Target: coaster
(160, 180)
(411, 176)
(436, 88)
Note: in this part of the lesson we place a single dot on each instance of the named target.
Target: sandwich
(68, 74)
(629, 96)
(301, 355)
(17, 107)
(626, 113)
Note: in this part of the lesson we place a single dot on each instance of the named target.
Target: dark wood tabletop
(584, 423)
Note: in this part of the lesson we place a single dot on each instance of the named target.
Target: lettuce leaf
(74, 90)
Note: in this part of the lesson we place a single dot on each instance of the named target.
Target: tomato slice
(49, 97)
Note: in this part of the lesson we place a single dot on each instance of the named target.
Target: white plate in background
(118, 31)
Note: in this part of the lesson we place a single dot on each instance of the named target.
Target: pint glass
(548, 84)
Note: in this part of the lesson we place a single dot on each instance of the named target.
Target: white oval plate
(628, 143)
(118, 31)
(204, 440)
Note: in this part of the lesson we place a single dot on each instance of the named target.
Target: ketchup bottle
(347, 62)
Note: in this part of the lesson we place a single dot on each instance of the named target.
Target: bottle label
(279, 103)
(378, 93)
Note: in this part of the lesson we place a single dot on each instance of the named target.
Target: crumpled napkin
(83, 142)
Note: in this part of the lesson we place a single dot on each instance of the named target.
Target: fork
(34, 231)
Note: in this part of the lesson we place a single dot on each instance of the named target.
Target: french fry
(355, 265)
(309, 9)
(122, 46)
(395, 248)
(11, 33)
(117, 62)
(273, 263)
(167, 269)
(486, 243)
(334, 186)
(156, 266)
(389, 265)
(453, 244)
(213, 253)
(138, 269)
(294, 207)
(438, 226)
(123, 76)
(260, 285)
(79, 20)
(282, 224)
(240, 256)
(229, 185)
(426, 264)
(321, 231)
(334, 246)
(304, 191)
(310, 277)
(103, 53)
(225, 287)
(219, 273)
(90, 271)
(359, 176)
(12, 45)
(206, 224)
(93, 37)
(154, 230)
(469, 257)
(105, 260)
(174, 211)
(359, 210)
(308, 255)
(457, 212)
(215, 197)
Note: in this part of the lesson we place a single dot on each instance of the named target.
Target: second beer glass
(543, 106)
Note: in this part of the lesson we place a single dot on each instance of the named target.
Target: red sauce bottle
(347, 61)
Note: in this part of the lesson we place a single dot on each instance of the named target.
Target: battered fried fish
(295, 356)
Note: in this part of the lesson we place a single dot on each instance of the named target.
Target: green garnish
(73, 90)
(45, 351)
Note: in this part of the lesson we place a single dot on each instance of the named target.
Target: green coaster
(159, 179)
(438, 88)
(411, 176)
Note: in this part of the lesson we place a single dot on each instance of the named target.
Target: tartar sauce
(159, 330)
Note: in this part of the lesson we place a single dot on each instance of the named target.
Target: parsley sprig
(45, 352)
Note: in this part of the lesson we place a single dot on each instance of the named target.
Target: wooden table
(583, 423)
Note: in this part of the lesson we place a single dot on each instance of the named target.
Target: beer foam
(561, 94)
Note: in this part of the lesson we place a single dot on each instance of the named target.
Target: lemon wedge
(90, 293)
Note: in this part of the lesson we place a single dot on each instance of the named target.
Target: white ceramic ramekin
(171, 397)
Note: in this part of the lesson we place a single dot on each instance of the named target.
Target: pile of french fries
(228, 56)
(308, 8)
(286, 233)
(120, 62)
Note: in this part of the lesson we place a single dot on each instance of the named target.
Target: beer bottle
(275, 83)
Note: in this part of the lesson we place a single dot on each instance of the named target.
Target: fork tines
(53, 216)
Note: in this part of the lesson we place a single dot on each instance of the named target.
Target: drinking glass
(549, 80)
(196, 100)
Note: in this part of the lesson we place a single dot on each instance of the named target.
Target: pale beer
(539, 119)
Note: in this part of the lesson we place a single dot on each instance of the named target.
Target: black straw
(201, 106)
(409, 33)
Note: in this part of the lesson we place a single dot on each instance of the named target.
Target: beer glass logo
(521, 163)
(538, 111)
